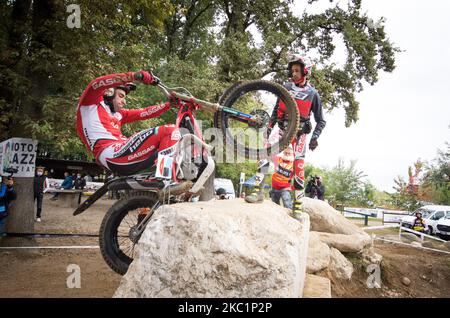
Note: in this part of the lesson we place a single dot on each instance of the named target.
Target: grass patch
(356, 260)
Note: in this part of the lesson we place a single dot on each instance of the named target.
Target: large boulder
(340, 267)
(317, 287)
(225, 248)
(326, 219)
(318, 254)
(346, 243)
(369, 256)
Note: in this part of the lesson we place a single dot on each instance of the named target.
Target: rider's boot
(297, 208)
(257, 196)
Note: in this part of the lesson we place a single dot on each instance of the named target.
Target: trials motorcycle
(241, 117)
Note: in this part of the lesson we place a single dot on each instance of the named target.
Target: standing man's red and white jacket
(99, 126)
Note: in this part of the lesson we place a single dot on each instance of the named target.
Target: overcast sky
(406, 114)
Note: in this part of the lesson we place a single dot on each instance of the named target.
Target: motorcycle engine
(189, 171)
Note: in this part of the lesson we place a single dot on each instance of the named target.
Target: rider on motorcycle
(101, 114)
(308, 100)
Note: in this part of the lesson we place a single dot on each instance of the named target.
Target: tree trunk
(21, 210)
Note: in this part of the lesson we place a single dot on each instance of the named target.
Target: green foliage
(433, 186)
(202, 45)
(344, 184)
(402, 198)
(230, 171)
(437, 177)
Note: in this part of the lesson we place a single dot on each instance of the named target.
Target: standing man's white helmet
(302, 60)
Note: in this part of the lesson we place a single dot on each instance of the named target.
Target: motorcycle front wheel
(257, 98)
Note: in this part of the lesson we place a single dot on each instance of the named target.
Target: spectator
(40, 186)
(79, 182)
(7, 194)
(321, 188)
(221, 194)
(67, 184)
(281, 178)
(419, 223)
(315, 188)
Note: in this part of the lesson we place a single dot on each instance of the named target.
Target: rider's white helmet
(301, 59)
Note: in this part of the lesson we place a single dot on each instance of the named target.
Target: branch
(199, 14)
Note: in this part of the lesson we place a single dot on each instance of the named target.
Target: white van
(443, 226)
(225, 184)
(431, 214)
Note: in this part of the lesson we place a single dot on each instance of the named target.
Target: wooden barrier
(68, 198)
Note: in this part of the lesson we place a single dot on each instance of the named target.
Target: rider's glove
(313, 143)
(146, 78)
(173, 101)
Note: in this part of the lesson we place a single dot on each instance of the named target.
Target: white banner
(20, 154)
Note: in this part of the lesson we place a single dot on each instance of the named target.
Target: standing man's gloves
(146, 77)
(313, 144)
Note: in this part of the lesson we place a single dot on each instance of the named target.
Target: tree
(344, 182)
(345, 185)
(403, 198)
(437, 178)
(229, 171)
(203, 45)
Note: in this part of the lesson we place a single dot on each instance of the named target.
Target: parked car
(443, 226)
(431, 214)
(227, 185)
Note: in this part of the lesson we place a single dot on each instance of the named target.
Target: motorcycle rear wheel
(116, 242)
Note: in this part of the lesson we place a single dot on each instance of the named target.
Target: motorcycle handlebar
(168, 92)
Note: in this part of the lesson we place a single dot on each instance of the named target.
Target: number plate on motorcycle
(164, 167)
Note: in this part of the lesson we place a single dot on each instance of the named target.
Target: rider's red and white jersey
(97, 126)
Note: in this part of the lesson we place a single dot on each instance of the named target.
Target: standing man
(308, 100)
(79, 183)
(40, 186)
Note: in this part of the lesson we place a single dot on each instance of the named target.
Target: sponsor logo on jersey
(133, 143)
(111, 81)
(152, 110)
(140, 138)
(141, 153)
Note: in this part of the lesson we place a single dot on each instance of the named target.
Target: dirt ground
(428, 271)
(44, 272)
